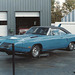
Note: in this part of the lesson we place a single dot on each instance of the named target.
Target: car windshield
(38, 30)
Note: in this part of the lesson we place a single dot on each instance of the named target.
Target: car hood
(19, 38)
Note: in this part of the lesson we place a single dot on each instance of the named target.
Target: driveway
(58, 62)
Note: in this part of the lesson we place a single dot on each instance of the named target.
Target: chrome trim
(48, 33)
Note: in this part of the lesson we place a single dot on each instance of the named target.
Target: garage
(17, 16)
(25, 20)
(3, 23)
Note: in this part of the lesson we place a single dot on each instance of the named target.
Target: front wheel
(35, 52)
(71, 47)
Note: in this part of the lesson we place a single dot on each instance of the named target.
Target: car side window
(54, 32)
(62, 32)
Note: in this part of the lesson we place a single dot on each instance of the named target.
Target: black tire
(70, 47)
(9, 53)
(35, 51)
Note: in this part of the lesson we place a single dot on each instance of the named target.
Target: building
(18, 15)
(69, 18)
(70, 26)
(68, 22)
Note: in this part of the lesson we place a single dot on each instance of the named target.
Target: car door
(57, 39)
(64, 39)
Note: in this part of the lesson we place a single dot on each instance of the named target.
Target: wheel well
(73, 42)
(39, 46)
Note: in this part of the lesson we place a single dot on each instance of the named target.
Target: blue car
(38, 39)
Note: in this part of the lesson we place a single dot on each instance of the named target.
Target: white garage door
(3, 23)
(27, 14)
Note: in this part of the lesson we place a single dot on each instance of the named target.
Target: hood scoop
(33, 36)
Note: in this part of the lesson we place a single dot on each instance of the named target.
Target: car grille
(5, 45)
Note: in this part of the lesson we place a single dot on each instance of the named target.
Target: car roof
(54, 27)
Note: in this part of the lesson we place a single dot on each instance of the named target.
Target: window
(38, 30)
(3, 22)
(62, 32)
(57, 32)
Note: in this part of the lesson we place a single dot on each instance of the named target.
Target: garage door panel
(3, 30)
(27, 14)
(3, 16)
(3, 23)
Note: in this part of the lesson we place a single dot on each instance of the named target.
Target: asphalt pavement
(58, 62)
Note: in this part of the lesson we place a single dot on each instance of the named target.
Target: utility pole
(13, 59)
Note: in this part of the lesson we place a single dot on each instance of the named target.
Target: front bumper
(7, 47)
(6, 51)
(10, 52)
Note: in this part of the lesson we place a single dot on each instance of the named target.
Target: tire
(9, 53)
(71, 47)
(35, 51)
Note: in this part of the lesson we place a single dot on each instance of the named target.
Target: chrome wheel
(71, 47)
(35, 51)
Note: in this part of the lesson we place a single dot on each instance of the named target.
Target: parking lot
(58, 62)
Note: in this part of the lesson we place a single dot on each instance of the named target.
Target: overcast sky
(61, 1)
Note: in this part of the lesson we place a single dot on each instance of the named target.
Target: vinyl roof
(54, 27)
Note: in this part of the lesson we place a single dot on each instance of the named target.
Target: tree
(52, 11)
(68, 6)
(52, 5)
(55, 12)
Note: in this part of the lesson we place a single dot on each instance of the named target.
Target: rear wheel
(71, 47)
(35, 52)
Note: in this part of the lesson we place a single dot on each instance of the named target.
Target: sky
(61, 1)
